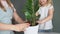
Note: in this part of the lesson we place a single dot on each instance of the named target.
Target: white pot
(31, 30)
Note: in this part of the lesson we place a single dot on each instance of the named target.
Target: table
(49, 33)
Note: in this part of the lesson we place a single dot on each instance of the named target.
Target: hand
(21, 27)
(40, 22)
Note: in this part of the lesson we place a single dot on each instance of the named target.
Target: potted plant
(29, 10)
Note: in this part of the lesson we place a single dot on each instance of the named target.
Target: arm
(6, 26)
(49, 17)
(16, 16)
(17, 27)
(37, 13)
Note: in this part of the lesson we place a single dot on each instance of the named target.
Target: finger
(24, 30)
(27, 23)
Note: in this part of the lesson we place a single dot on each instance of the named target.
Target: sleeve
(51, 7)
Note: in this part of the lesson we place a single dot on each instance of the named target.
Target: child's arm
(37, 13)
(49, 17)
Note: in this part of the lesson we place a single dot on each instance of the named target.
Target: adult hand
(21, 27)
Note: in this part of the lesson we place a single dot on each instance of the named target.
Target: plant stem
(33, 14)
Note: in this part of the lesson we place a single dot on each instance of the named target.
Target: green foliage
(30, 8)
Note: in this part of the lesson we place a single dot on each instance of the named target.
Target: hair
(1, 6)
(48, 2)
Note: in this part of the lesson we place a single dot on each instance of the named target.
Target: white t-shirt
(43, 11)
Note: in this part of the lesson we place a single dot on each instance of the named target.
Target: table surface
(49, 33)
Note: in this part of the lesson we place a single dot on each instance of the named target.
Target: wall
(56, 19)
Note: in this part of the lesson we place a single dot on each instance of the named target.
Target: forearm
(47, 19)
(19, 20)
(6, 27)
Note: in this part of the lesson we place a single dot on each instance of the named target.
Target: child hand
(40, 21)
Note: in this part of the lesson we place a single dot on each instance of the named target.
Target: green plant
(30, 8)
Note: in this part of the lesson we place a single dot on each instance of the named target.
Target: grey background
(56, 19)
